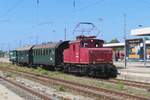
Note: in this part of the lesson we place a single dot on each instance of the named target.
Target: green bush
(61, 88)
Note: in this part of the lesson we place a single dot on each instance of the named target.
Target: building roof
(121, 44)
(114, 45)
(141, 31)
(25, 48)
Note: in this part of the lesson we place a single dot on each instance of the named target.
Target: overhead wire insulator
(74, 3)
(38, 2)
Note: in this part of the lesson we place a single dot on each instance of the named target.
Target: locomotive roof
(48, 45)
(24, 48)
(75, 41)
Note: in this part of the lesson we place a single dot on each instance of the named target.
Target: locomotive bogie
(98, 70)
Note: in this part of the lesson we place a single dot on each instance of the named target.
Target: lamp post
(125, 40)
(101, 27)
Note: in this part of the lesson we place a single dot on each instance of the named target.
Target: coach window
(33, 53)
(46, 51)
(49, 52)
(40, 52)
(43, 51)
(37, 52)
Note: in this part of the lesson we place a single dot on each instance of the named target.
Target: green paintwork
(23, 56)
(12, 56)
(47, 59)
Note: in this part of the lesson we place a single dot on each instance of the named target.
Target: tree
(115, 40)
(105, 42)
(146, 38)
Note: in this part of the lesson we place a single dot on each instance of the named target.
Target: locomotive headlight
(93, 62)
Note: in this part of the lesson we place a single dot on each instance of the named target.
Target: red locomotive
(87, 56)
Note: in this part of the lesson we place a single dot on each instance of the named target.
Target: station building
(118, 48)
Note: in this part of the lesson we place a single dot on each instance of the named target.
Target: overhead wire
(16, 4)
(90, 5)
(145, 2)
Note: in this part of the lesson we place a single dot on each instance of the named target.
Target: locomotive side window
(85, 45)
(96, 45)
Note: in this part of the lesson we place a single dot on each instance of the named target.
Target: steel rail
(130, 83)
(26, 89)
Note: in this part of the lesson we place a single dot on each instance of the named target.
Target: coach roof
(45, 45)
(25, 48)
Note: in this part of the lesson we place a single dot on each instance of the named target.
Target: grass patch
(61, 88)
(120, 85)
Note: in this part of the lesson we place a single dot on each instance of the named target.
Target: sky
(24, 22)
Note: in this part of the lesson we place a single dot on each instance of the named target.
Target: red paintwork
(85, 51)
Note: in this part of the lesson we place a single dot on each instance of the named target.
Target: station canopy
(141, 31)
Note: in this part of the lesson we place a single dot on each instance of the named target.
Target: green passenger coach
(49, 54)
(13, 56)
(24, 55)
(44, 54)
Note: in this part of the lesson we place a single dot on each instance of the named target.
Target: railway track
(16, 84)
(131, 83)
(100, 92)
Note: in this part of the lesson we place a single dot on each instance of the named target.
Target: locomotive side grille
(100, 56)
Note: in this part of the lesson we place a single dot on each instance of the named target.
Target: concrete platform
(134, 71)
(6, 94)
(4, 60)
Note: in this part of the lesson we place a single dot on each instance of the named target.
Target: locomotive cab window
(85, 44)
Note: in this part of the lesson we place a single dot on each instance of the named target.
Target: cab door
(76, 53)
